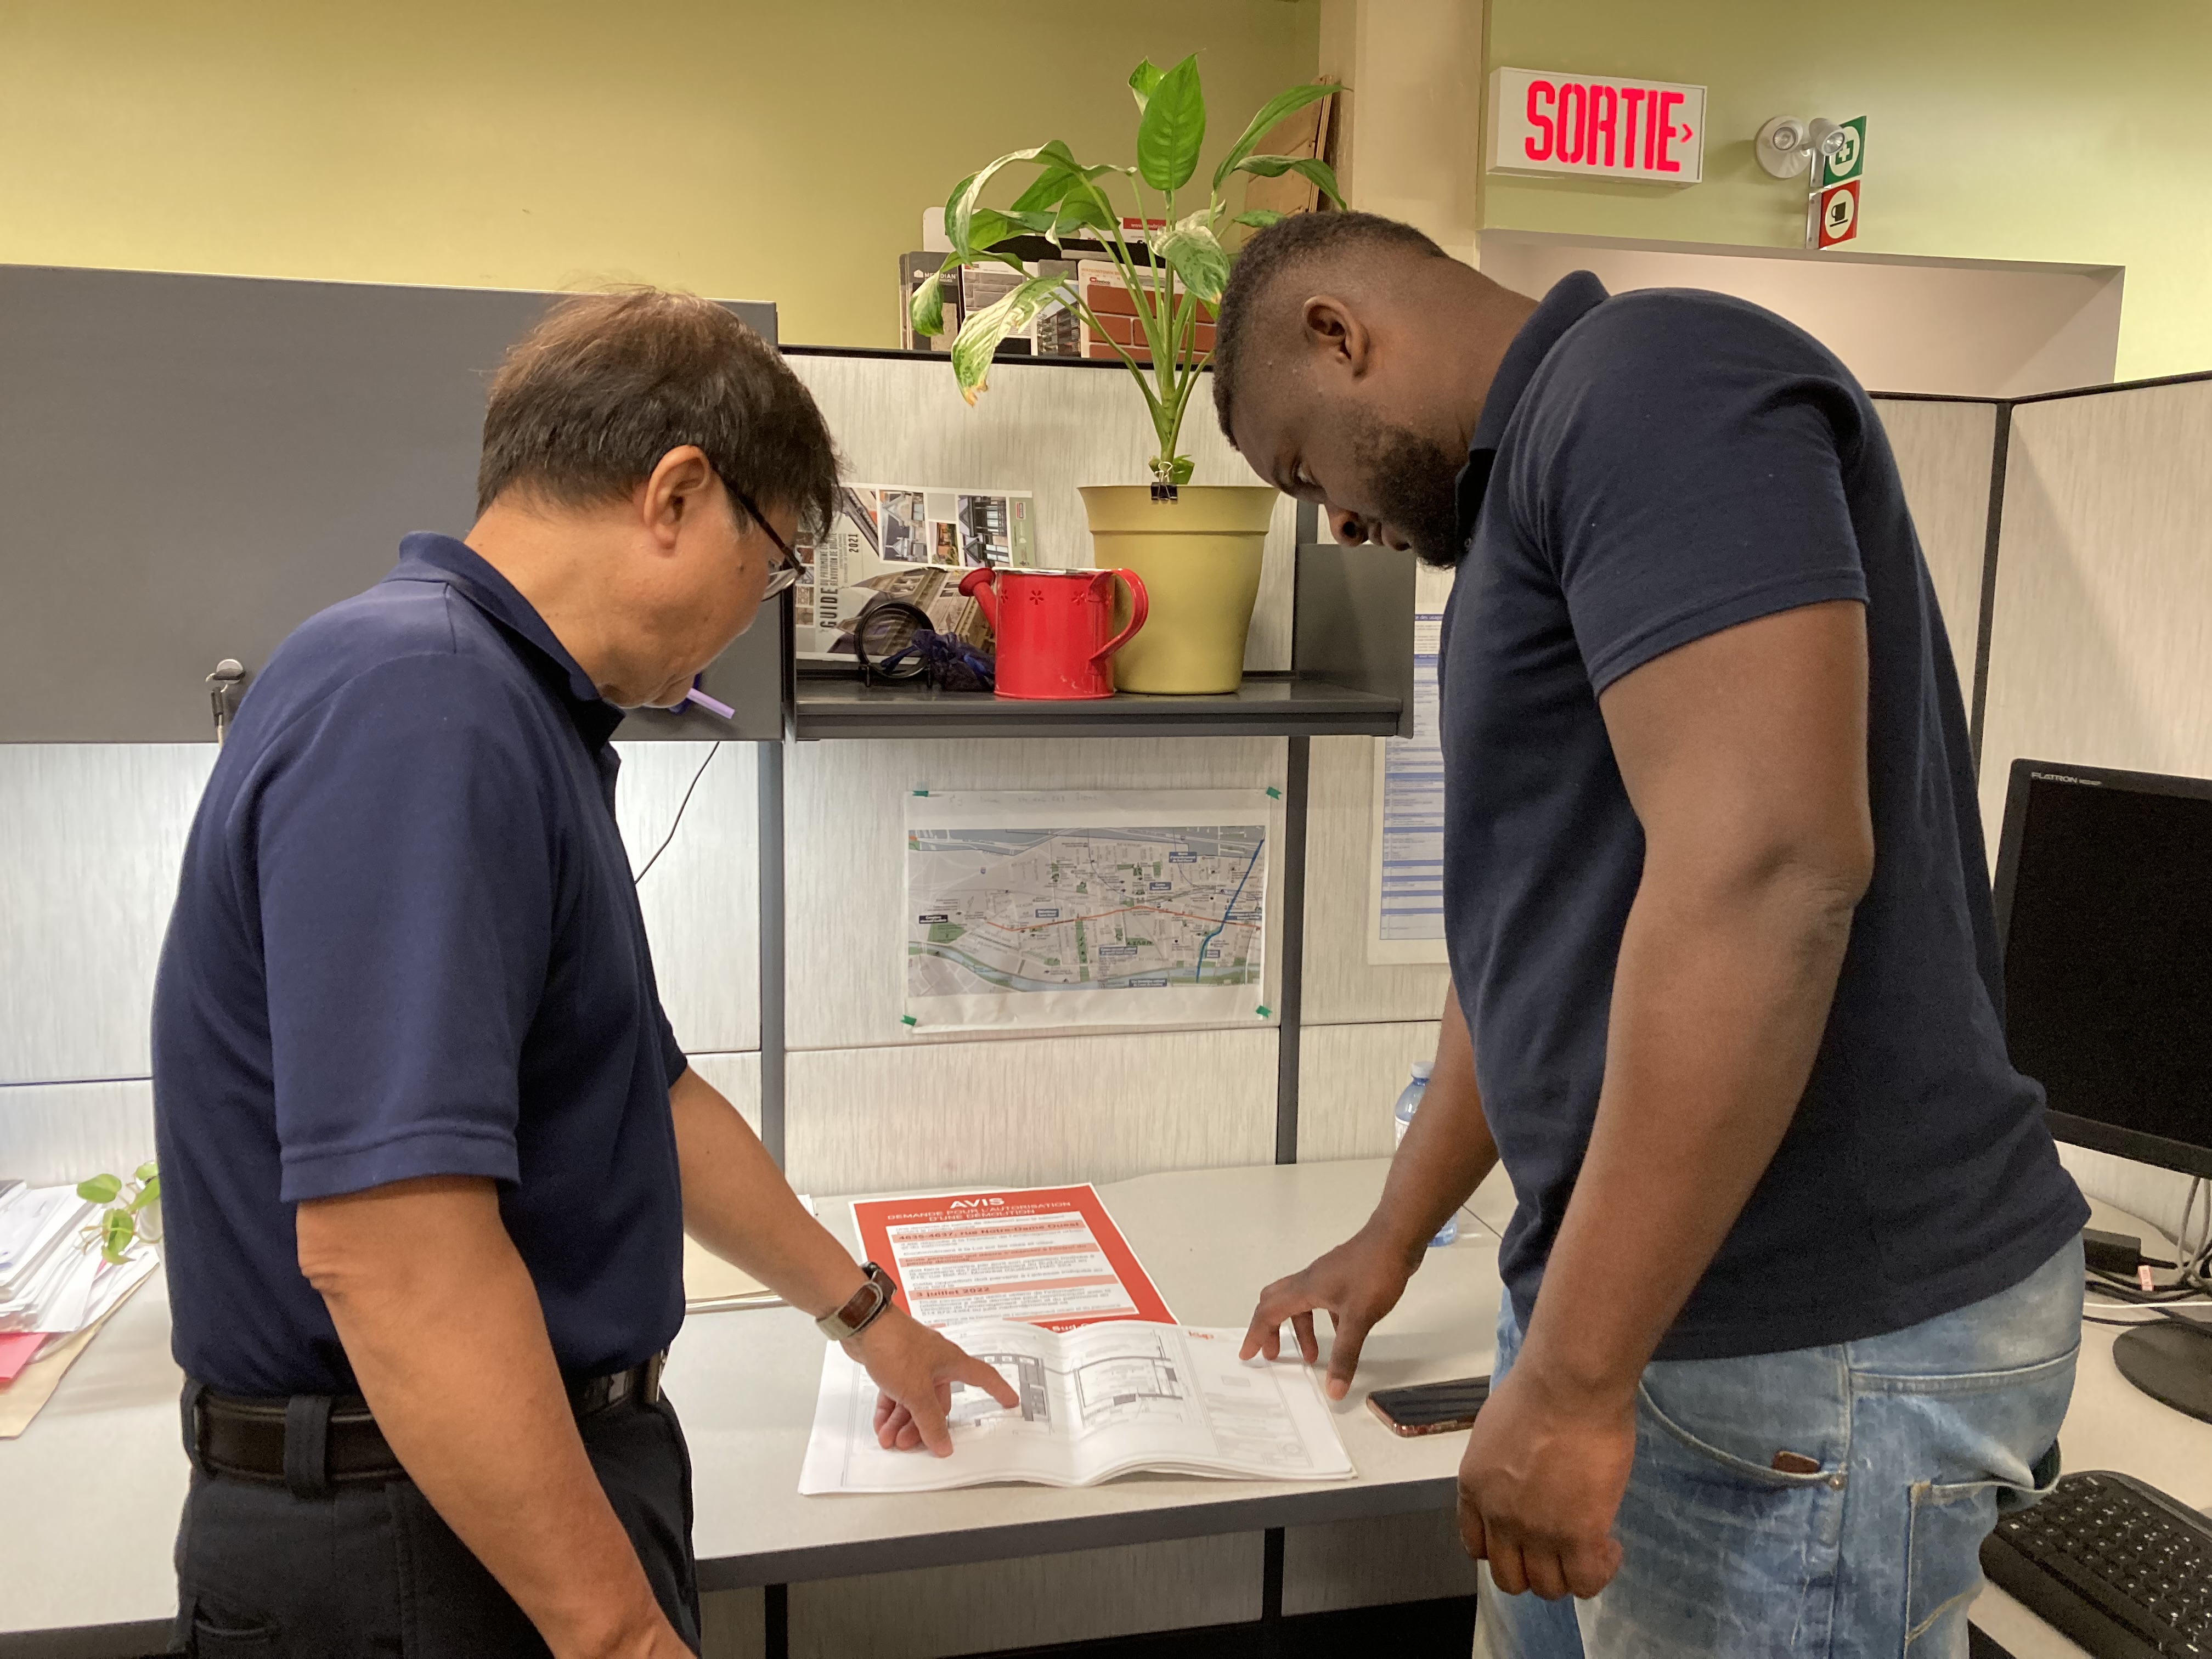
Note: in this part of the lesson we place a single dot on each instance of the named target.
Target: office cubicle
(2068, 543)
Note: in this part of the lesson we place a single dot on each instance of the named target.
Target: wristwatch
(874, 1295)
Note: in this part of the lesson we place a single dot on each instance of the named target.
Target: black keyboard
(2117, 1565)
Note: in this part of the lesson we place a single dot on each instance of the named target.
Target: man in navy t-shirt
(428, 1146)
(1793, 1280)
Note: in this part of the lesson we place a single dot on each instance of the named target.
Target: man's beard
(1412, 483)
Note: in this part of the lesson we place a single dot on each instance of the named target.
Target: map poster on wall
(1074, 907)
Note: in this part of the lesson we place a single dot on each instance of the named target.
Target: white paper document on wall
(1405, 862)
(1097, 1402)
(1406, 854)
(1086, 908)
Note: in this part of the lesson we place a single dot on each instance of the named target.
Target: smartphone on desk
(1431, 1407)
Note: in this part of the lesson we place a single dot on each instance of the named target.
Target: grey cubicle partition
(192, 465)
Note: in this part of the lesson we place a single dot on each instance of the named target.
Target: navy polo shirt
(406, 943)
(1647, 471)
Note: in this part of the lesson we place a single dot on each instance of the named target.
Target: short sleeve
(672, 1052)
(406, 886)
(1694, 479)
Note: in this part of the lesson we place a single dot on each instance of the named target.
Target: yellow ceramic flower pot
(1199, 555)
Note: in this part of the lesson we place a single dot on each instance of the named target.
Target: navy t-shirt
(406, 943)
(1647, 471)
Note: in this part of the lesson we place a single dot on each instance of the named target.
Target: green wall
(775, 149)
(2029, 130)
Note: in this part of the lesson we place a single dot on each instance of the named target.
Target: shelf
(1264, 706)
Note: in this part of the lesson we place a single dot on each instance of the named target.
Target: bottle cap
(1421, 1070)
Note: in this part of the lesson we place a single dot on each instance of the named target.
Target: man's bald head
(1258, 317)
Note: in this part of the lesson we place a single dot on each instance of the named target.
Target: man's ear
(677, 487)
(1335, 334)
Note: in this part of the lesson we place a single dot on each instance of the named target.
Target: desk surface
(94, 1487)
(745, 1381)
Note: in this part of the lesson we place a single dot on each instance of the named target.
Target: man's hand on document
(916, 1368)
(1358, 1282)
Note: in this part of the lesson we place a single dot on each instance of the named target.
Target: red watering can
(1055, 628)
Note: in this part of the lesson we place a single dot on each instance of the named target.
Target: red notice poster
(1046, 1255)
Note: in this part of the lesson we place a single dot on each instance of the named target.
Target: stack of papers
(54, 1282)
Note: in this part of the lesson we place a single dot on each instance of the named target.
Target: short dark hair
(1280, 248)
(587, 402)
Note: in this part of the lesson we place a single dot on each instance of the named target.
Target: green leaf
(1270, 112)
(1142, 80)
(1260, 218)
(1046, 190)
(149, 1193)
(116, 1232)
(1180, 467)
(1274, 167)
(145, 1171)
(1195, 254)
(980, 334)
(1091, 212)
(953, 203)
(961, 210)
(1173, 128)
(100, 1189)
(927, 308)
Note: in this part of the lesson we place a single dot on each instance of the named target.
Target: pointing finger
(982, 1374)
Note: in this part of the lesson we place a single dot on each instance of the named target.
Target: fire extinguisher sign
(1839, 170)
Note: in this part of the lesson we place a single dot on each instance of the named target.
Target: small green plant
(117, 1225)
(1067, 198)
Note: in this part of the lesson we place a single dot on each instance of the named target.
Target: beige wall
(745, 148)
(2036, 129)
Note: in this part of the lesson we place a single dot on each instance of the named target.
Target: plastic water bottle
(1408, 1103)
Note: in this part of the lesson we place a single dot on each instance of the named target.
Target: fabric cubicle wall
(2100, 625)
(94, 833)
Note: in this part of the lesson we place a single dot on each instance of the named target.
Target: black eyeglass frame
(784, 576)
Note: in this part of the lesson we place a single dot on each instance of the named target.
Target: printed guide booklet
(1097, 1402)
(1040, 1284)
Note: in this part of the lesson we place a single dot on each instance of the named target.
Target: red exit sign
(1597, 125)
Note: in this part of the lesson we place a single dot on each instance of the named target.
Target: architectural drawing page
(1086, 908)
(1047, 1255)
(1103, 1400)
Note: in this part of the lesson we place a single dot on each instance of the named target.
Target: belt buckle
(648, 1382)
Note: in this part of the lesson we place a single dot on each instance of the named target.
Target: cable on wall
(678, 819)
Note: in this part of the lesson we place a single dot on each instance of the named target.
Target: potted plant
(1197, 547)
(130, 1211)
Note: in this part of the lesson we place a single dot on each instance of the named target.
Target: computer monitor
(2104, 903)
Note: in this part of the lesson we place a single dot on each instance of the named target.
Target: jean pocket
(1943, 1558)
(217, 1632)
(1763, 1477)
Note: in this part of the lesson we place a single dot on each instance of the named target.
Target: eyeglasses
(787, 572)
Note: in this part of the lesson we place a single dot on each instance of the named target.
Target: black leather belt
(313, 1443)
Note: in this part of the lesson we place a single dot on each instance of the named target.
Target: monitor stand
(2171, 1361)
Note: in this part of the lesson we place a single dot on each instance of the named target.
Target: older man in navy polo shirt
(428, 1146)
(1794, 1287)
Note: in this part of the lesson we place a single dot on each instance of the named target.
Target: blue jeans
(1921, 1437)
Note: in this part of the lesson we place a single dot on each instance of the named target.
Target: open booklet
(1097, 1402)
